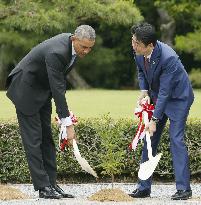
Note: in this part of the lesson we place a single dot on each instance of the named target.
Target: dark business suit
(170, 89)
(39, 77)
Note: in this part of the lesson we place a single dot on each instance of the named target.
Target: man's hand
(151, 127)
(143, 96)
(70, 134)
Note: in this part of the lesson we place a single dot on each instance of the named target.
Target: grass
(95, 103)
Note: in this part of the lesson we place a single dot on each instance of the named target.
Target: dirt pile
(110, 195)
(9, 193)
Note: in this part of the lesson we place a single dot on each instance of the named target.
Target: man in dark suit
(163, 79)
(37, 78)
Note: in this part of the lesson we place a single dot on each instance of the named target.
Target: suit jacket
(167, 82)
(41, 75)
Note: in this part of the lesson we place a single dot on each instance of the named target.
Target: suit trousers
(39, 145)
(178, 151)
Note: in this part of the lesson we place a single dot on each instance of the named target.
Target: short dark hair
(145, 33)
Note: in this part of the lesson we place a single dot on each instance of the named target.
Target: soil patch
(110, 195)
(9, 193)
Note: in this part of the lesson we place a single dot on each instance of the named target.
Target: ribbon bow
(63, 138)
(143, 107)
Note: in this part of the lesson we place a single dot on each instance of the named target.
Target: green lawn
(95, 103)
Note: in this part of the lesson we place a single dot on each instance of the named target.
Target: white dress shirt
(67, 121)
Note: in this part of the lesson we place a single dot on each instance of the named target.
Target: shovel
(82, 161)
(147, 168)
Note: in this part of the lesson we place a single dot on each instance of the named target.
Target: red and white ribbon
(143, 107)
(63, 138)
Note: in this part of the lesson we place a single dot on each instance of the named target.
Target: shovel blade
(82, 161)
(147, 168)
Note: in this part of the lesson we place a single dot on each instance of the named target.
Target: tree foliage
(110, 65)
(26, 23)
(188, 17)
(111, 139)
(191, 42)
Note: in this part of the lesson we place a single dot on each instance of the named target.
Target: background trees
(187, 17)
(24, 24)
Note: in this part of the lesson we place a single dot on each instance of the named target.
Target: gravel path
(161, 194)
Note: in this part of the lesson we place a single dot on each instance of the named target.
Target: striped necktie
(146, 63)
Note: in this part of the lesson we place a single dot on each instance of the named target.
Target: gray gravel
(161, 194)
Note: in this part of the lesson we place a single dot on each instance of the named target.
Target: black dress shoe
(49, 193)
(61, 191)
(182, 195)
(140, 194)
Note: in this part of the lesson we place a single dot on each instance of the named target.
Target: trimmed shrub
(13, 165)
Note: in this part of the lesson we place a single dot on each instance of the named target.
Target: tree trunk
(76, 80)
(112, 180)
(3, 71)
(167, 26)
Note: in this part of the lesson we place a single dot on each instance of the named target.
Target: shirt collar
(149, 56)
(73, 50)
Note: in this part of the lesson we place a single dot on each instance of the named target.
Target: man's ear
(150, 45)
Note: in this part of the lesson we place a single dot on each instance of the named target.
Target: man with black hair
(164, 81)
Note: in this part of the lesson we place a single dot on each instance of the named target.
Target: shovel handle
(149, 147)
(148, 139)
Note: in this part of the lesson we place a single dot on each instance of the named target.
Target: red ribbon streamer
(64, 142)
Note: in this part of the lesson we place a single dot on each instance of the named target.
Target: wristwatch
(156, 120)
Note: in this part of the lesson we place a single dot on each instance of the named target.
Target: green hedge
(13, 165)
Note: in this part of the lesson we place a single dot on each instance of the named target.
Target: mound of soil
(9, 193)
(110, 195)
